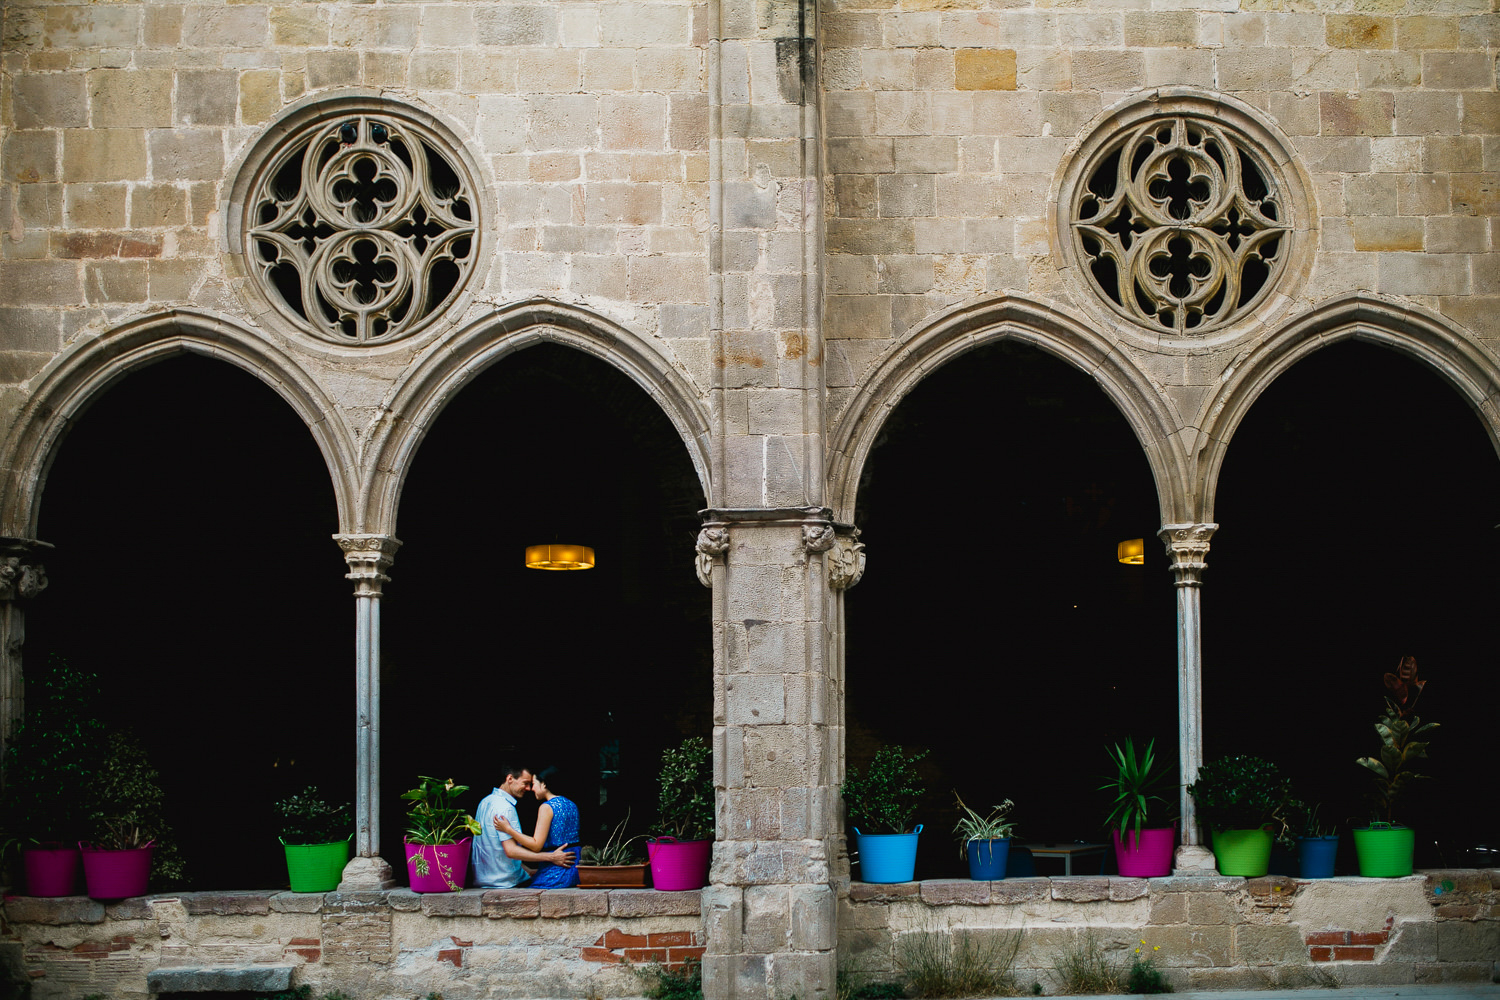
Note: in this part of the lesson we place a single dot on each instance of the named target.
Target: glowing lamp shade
(557, 556)
(1132, 552)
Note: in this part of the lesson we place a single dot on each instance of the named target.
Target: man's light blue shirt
(493, 869)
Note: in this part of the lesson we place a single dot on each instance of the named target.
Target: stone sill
(522, 904)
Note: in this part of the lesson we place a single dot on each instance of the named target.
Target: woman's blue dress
(564, 830)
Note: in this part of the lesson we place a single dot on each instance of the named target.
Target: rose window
(360, 228)
(1180, 225)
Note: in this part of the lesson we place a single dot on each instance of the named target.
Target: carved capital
(1187, 548)
(713, 542)
(846, 561)
(21, 573)
(817, 537)
(368, 557)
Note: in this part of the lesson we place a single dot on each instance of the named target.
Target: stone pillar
(22, 577)
(770, 916)
(1187, 548)
(368, 557)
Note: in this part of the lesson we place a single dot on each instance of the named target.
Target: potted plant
(1239, 799)
(615, 865)
(883, 799)
(126, 820)
(680, 855)
(315, 836)
(436, 856)
(1142, 850)
(1317, 842)
(1385, 847)
(985, 840)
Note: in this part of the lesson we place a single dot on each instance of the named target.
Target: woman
(556, 826)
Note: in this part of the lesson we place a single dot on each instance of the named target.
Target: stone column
(770, 916)
(368, 557)
(1187, 548)
(22, 577)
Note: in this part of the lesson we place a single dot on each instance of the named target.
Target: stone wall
(1212, 932)
(395, 944)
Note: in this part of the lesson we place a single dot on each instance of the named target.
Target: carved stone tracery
(846, 561)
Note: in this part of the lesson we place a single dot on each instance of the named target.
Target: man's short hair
(516, 771)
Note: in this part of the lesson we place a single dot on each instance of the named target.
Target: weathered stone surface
(468, 903)
(298, 902)
(1019, 890)
(947, 892)
(53, 912)
(1080, 889)
(222, 979)
(226, 902)
(652, 903)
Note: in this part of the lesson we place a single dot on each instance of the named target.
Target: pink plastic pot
(116, 874)
(51, 870)
(438, 867)
(677, 865)
(1146, 856)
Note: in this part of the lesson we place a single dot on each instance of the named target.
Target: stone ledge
(226, 903)
(221, 979)
(55, 910)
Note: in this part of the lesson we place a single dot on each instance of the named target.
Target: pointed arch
(414, 404)
(1413, 331)
(973, 325)
(70, 384)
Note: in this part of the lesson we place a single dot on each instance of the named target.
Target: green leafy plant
(940, 963)
(1403, 738)
(1084, 968)
(1302, 821)
(308, 818)
(883, 797)
(128, 806)
(1241, 792)
(685, 802)
(616, 851)
(972, 826)
(432, 818)
(1134, 786)
(1144, 976)
(663, 982)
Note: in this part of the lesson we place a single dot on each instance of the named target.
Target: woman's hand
(505, 827)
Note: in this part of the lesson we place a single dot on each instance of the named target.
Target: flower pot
(1147, 854)
(438, 867)
(316, 867)
(887, 857)
(116, 874)
(612, 876)
(51, 870)
(1243, 852)
(677, 865)
(987, 858)
(1315, 856)
(1385, 851)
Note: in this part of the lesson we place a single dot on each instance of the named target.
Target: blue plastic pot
(987, 859)
(887, 857)
(1316, 855)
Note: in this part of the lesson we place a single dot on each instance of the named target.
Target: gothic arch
(67, 387)
(968, 327)
(1422, 335)
(411, 407)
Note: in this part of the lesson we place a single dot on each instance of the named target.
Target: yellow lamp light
(1132, 552)
(556, 556)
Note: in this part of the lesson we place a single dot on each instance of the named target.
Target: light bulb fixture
(558, 556)
(1132, 552)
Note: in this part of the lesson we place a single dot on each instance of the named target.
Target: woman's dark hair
(549, 775)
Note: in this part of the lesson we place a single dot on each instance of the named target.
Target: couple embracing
(501, 847)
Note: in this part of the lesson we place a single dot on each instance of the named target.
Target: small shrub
(1144, 976)
(682, 983)
(1084, 968)
(940, 964)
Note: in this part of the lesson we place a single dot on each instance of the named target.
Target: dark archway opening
(195, 574)
(1358, 504)
(486, 661)
(994, 624)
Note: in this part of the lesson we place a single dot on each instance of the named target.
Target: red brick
(1354, 953)
(671, 939)
(308, 954)
(1457, 911)
(598, 955)
(126, 939)
(461, 944)
(92, 948)
(303, 942)
(1320, 954)
(645, 954)
(1328, 937)
(1369, 937)
(453, 955)
(614, 938)
(677, 956)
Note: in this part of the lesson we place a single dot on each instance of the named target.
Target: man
(497, 858)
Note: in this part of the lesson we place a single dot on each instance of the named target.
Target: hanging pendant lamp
(559, 556)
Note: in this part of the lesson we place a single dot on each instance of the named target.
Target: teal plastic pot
(1385, 851)
(1315, 856)
(1243, 852)
(887, 857)
(987, 858)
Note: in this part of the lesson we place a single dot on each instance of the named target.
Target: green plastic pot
(316, 867)
(1243, 852)
(1385, 851)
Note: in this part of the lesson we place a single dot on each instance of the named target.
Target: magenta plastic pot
(51, 870)
(438, 867)
(1148, 855)
(116, 874)
(677, 865)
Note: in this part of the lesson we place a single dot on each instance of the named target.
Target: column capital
(22, 574)
(846, 559)
(1187, 548)
(368, 557)
(842, 554)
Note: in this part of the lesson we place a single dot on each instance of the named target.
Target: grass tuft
(943, 964)
(1083, 968)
